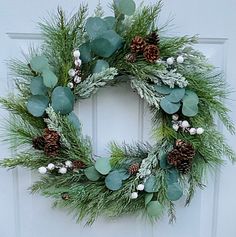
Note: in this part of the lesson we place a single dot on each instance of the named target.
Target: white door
(212, 212)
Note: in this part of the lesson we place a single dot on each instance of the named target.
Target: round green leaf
(92, 174)
(37, 87)
(124, 174)
(95, 26)
(102, 47)
(148, 198)
(74, 120)
(113, 38)
(49, 78)
(190, 97)
(103, 166)
(110, 21)
(172, 176)
(176, 95)
(85, 52)
(189, 109)
(100, 66)
(169, 107)
(113, 180)
(37, 104)
(39, 63)
(154, 209)
(162, 89)
(151, 185)
(174, 192)
(62, 100)
(162, 156)
(126, 7)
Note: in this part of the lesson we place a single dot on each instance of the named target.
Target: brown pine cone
(77, 164)
(52, 149)
(185, 166)
(131, 57)
(39, 143)
(174, 157)
(153, 38)
(51, 136)
(133, 169)
(151, 53)
(138, 44)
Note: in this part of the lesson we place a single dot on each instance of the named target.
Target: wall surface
(212, 211)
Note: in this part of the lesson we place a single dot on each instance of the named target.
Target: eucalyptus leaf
(189, 109)
(74, 121)
(103, 165)
(92, 174)
(162, 89)
(37, 104)
(176, 95)
(95, 26)
(172, 176)
(169, 107)
(49, 78)
(63, 100)
(110, 22)
(151, 185)
(102, 47)
(37, 87)
(162, 156)
(100, 66)
(174, 192)
(124, 174)
(113, 180)
(126, 7)
(85, 52)
(39, 63)
(154, 209)
(190, 97)
(148, 198)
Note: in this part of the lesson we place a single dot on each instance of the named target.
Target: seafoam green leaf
(95, 26)
(92, 174)
(110, 21)
(126, 7)
(162, 156)
(39, 63)
(190, 97)
(162, 89)
(85, 52)
(63, 100)
(169, 107)
(74, 120)
(151, 185)
(49, 78)
(37, 104)
(37, 87)
(124, 174)
(174, 192)
(154, 209)
(102, 47)
(113, 180)
(189, 109)
(176, 95)
(100, 66)
(148, 198)
(172, 176)
(103, 165)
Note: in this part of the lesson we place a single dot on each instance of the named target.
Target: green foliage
(37, 105)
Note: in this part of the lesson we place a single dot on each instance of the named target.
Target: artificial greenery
(135, 178)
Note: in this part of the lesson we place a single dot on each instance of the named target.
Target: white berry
(62, 170)
(185, 124)
(68, 164)
(193, 131)
(78, 62)
(140, 187)
(134, 195)
(77, 79)
(180, 59)
(70, 85)
(170, 61)
(71, 72)
(175, 117)
(76, 53)
(51, 166)
(200, 131)
(42, 170)
(175, 127)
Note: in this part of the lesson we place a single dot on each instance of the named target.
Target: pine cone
(153, 38)
(138, 44)
(77, 164)
(151, 53)
(51, 136)
(52, 149)
(133, 169)
(181, 156)
(39, 143)
(131, 57)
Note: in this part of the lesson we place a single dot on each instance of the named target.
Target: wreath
(81, 54)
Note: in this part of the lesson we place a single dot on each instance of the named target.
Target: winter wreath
(81, 54)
